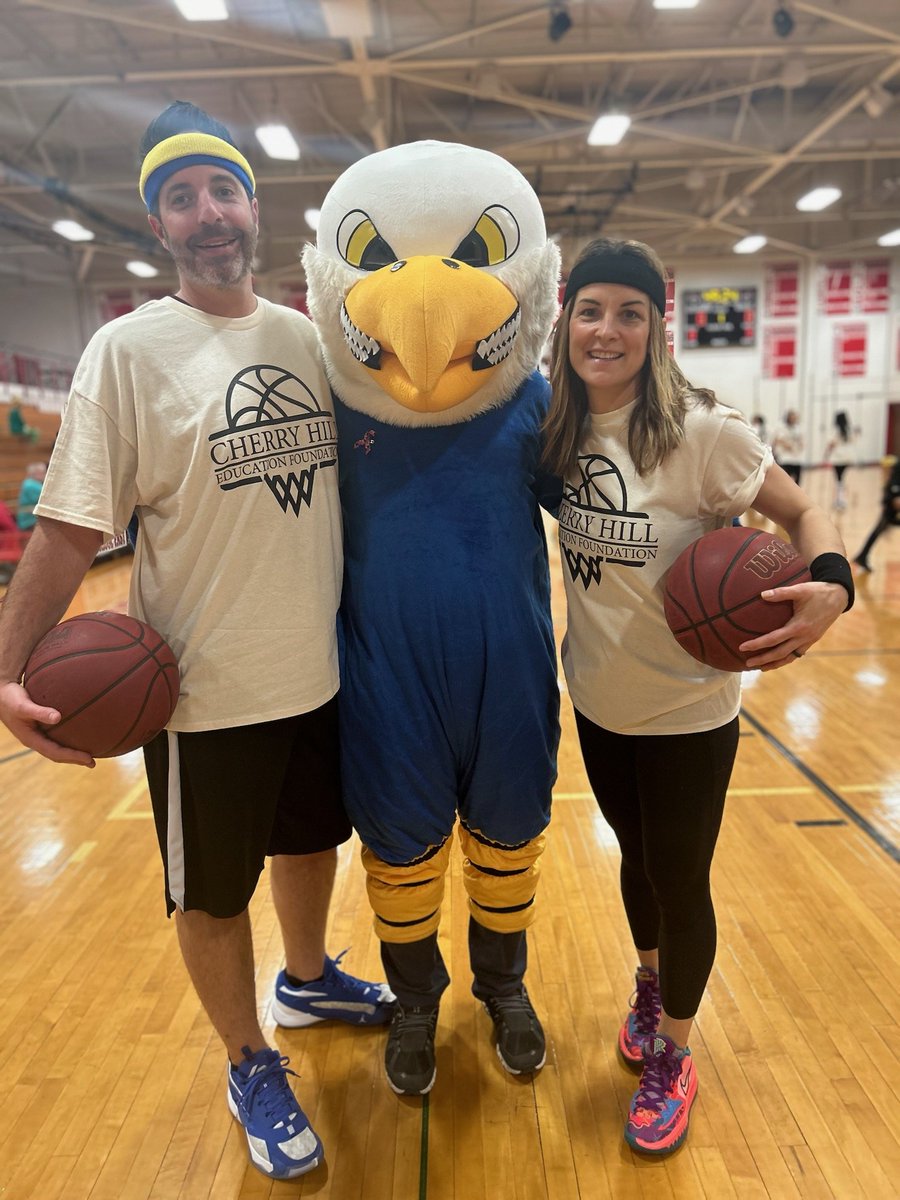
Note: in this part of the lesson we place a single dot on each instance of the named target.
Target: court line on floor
(423, 1149)
(857, 652)
(123, 812)
(816, 780)
(17, 754)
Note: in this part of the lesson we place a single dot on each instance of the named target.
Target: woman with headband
(649, 464)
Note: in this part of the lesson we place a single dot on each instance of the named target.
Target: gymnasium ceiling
(731, 122)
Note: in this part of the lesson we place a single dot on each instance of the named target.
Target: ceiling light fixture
(311, 217)
(73, 231)
(782, 22)
(142, 269)
(794, 72)
(818, 198)
(890, 239)
(278, 142)
(749, 244)
(202, 10)
(560, 20)
(675, 3)
(877, 101)
(609, 129)
(695, 180)
(488, 82)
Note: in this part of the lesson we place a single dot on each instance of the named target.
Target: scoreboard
(718, 317)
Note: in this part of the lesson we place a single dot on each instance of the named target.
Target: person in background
(787, 445)
(168, 408)
(890, 515)
(758, 421)
(29, 494)
(17, 426)
(650, 464)
(841, 452)
(10, 544)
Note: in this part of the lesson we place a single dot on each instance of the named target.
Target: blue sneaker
(335, 997)
(282, 1142)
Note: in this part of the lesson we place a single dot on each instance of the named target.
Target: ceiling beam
(212, 32)
(829, 14)
(813, 135)
(384, 66)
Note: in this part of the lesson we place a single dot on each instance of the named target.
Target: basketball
(112, 678)
(713, 592)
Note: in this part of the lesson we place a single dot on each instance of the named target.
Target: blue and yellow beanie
(190, 150)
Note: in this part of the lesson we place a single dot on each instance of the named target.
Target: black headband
(624, 267)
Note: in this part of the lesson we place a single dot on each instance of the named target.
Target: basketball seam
(161, 668)
(90, 618)
(727, 612)
(707, 622)
(161, 672)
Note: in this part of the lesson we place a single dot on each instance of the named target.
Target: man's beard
(209, 273)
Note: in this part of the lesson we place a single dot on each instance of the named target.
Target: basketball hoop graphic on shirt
(277, 434)
(596, 525)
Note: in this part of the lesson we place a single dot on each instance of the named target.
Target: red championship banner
(782, 290)
(293, 295)
(115, 304)
(780, 352)
(875, 286)
(670, 309)
(835, 288)
(850, 343)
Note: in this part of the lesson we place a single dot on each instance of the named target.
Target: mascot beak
(427, 327)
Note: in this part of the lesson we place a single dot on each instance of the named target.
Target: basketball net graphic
(596, 525)
(277, 434)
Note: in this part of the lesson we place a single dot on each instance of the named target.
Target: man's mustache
(216, 234)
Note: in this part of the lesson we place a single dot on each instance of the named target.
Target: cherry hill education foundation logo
(596, 526)
(277, 435)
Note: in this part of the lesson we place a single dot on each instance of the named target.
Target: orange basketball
(713, 599)
(113, 679)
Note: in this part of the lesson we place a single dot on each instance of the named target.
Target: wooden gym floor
(113, 1086)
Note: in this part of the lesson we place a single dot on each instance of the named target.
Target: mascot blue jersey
(449, 694)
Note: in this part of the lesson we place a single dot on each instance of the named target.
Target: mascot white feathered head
(433, 285)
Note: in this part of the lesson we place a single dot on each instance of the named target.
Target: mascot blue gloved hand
(434, 287)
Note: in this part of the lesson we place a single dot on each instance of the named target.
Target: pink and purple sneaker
(660, 1109)
(643, 1017)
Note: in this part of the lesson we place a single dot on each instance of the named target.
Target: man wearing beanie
(207, 413)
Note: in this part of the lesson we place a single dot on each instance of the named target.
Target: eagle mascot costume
(433, 287)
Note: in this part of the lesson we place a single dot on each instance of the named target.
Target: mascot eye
(494, 239)
(361, 245)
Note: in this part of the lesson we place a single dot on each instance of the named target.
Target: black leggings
(664, 796)
(873, 538)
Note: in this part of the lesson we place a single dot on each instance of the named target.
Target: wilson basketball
(713, 592)
(112, 678)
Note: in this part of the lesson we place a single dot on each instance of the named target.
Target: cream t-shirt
(618, 535)
(220, 433)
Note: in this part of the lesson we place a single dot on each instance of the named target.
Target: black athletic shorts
(223, 799)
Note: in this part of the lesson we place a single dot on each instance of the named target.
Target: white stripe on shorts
(174, 828)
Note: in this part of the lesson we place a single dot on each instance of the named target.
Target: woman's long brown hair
(657, 422)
